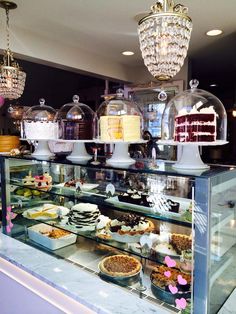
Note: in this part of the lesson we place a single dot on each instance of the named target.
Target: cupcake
(124, 197)
(174, 206)
(136, 199)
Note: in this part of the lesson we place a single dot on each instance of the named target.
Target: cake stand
(42, 151)
(190, 158)
(79, 153)
(120, 156)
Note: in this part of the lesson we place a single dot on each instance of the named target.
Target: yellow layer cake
(126, 128)
(8, 142)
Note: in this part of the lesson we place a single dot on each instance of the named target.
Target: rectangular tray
(51, 244)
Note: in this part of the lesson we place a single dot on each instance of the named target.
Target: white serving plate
(59, 211)
(125, 238)
(86, 187)
(52, 244)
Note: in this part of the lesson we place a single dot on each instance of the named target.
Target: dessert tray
(50, 237)
(45, 212)
(184, 206)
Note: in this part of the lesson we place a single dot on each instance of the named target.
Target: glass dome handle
(194, 83)
(75, 99)
(162, 96)
(42, 101)
(120, 93)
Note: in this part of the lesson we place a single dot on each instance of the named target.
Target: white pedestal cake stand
(79, 153)
(42, 151)
(120, 156)
(190, 158)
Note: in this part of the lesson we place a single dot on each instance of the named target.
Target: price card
(110, 189)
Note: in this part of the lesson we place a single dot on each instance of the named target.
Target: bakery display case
(164, 236)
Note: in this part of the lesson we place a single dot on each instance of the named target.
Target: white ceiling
(108, 27)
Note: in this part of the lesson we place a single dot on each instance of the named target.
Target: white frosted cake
(40, 130)
(125, 127)
(196, 125)
(83, 216)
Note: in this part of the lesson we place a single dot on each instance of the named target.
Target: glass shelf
(87, 255)
(20, 221)
(159, 167)
(102, 201)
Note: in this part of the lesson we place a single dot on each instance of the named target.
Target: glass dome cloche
(194, 116)
(118, 119)
(76, 121)
(39, 123)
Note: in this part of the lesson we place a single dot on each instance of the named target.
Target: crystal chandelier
(12, 78)
(164, 36)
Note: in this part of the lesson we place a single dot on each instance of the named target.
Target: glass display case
(162, 235)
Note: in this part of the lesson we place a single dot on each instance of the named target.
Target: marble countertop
(87, 289)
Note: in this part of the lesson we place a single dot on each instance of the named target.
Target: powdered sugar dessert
(196, 125)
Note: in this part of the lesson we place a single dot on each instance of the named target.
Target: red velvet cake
(196, 127)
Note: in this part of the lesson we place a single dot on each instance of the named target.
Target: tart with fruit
(120, 266)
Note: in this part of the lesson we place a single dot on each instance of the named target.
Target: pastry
(181, 242)
(83, 216)
(131, 224)
(8, 142)
(159, 279)
(40, 130)
(28, 180)
(120, 266)
(164, 248)
(196, 125)
(44, 182)
(174, 206)
(118, 128)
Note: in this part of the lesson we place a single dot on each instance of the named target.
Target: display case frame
(205, 186)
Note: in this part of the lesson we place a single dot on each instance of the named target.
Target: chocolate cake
(78, 130)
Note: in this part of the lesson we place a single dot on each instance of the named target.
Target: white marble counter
(82, 286)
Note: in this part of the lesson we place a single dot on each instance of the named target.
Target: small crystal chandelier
(12, 78)
(164, 36)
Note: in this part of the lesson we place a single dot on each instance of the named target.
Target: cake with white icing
(83, 217)
(41, 130)
(196, 125)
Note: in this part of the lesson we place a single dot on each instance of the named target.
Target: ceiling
(108, 27)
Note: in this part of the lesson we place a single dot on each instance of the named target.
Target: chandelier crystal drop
(12, 78)
(164, 36)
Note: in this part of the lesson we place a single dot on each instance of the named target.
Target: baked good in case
(28, 181)
(120, 266)
(181, 242)
(159, 279)
(43, 182)
(131, 224)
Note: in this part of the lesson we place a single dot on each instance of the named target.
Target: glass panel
(223, 240)
(143, 215)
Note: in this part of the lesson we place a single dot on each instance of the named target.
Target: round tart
(120, 266)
